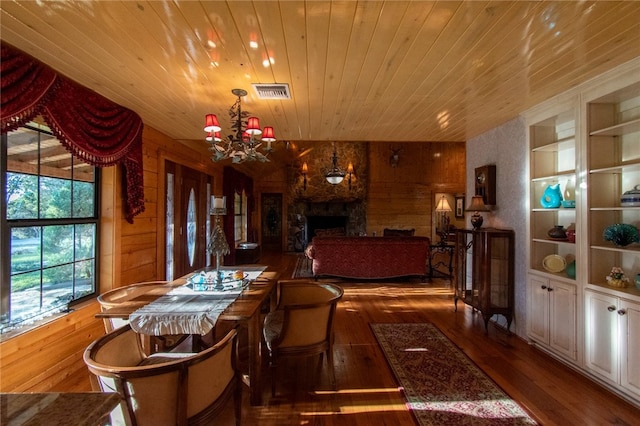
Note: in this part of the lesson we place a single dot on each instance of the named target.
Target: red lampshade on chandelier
(244, 143)
(211, 123)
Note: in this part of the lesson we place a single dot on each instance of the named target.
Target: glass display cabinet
(484, 271)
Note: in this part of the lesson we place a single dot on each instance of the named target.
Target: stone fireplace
(326, 223)
(317, 204)
(305, 218)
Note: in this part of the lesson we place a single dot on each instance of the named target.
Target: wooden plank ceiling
(357, 70)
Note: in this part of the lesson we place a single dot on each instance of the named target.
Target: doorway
(188, 219)
(271, 222)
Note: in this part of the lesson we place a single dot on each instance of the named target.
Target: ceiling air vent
(272, 91)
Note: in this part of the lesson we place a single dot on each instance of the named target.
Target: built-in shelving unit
(588, 141)
(552, 161)
(612, 315)
(552, 315)
(613, 155)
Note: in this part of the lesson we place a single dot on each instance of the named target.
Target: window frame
(240, 213)
(7, 225)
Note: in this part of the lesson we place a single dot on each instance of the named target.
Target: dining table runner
(184, 310)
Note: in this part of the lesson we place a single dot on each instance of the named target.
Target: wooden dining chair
(135, 296)
(302, 323)
(166, 388)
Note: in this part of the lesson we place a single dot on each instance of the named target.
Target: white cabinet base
(612, 340)
(551, 318)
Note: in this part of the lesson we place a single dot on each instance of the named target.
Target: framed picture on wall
(459, 206)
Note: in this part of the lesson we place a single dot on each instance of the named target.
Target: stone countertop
(57, 408)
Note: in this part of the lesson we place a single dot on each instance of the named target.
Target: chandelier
(245, 141)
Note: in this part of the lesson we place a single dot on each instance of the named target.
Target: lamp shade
(350, 168)
(268, 135)
(211, 123)
(443, 205)
(218, 205)
(213, 137)
(477, 204)
(305, 168)
(253, 126)
(334, 177)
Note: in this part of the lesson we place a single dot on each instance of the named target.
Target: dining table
(186, 309)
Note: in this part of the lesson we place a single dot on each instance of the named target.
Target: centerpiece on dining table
(217, 280)
(217, 243)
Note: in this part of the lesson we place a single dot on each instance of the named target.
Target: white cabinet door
(551, 314)
(630, 346)
(538, 309)
(562, 320)
(601, 335)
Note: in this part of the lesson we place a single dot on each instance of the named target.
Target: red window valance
(90, 126)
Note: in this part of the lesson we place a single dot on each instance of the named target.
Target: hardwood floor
(367, 393)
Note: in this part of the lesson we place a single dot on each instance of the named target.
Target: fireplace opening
(326, 225)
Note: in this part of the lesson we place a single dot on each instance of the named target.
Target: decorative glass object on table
(219, 281)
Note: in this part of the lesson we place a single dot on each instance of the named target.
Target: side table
(249, 255)
(442, 255)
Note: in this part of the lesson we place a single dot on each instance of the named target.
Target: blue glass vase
(552, 197)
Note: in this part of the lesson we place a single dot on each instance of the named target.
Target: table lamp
(477, 206)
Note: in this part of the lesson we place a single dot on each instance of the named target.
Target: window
(240, 211)
(49, 227)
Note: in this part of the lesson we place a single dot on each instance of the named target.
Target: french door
(188, 219)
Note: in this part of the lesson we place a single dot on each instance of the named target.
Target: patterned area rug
(441, 384)
(303, 267)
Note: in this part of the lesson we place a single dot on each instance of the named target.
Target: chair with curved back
(135, 296)
(302, 323)
(166, 388)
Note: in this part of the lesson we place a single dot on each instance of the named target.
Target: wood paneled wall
(41, 359)
(402, 197)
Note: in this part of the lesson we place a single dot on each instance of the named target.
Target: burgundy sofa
(369, 257)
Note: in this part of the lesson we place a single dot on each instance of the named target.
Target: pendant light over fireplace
(335, 175)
